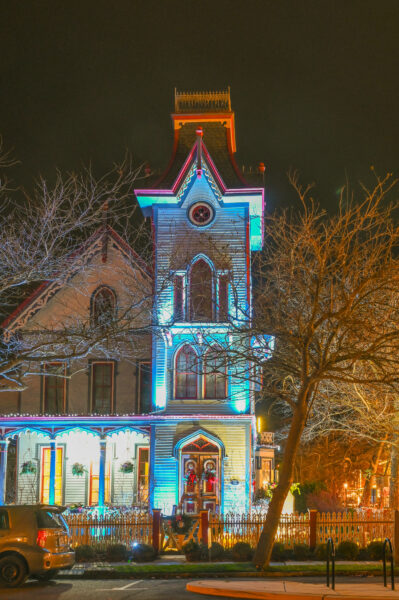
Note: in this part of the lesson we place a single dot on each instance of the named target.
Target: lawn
(248, 568)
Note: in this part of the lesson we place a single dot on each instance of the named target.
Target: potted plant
(28, 468)
(78, 469)
(127, 467)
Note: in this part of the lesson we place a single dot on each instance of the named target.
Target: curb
(198, 588)
(111, 574)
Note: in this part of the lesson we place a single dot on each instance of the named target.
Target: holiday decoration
(191, 477)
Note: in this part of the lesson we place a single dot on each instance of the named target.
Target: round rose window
(201, 214)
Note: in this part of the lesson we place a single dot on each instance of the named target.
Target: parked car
(34, 542)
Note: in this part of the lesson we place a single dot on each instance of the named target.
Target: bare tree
(327, 294)
(44, 241)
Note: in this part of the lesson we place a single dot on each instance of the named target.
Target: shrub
(278, 552)
(84, 553)
(302, 552)
(374, 550)
(320, 552)
(217, 551)
(192, 551)
(143, 553)
(347, 550)
(116, 553)
(203, 553)
(289, 554)
(242, 551)
(363, 554)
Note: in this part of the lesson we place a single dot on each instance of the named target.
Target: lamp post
(346, 494)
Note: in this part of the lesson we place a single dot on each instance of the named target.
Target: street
(148, 589)
(123, 589)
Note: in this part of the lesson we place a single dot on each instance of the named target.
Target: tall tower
(206, 222)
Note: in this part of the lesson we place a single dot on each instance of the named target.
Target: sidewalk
(290, 590)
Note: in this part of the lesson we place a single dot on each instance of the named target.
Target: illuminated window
(95, 483)
(54, 388)
(102, 387)
(45, 479)
(186, 374)
(215, 372)
(201, 292)
(103, 306)
(143, 475)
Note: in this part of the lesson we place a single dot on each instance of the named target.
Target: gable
(104, 259)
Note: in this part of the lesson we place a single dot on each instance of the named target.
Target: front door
(200, 476)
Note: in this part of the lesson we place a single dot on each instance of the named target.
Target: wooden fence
(310, 528)
(102, 530)
(231, 528)
(361, 528)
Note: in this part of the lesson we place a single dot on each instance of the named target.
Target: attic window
(103, 306)
(201, 214)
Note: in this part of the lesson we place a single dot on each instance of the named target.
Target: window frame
(93, 363)
(101, 288)
(176, 358)
(59, 451)
(190, 309)
(223, 312)
(214, 397)
(46, 379)
(140, 363)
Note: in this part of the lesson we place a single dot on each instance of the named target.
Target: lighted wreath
(191, 477)
(209, 473)
(127, 467)
(209, 476)
(78, 469)
(181, 524)
(28, 468)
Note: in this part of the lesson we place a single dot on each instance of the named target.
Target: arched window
(186, 374)
(103, 306)
(215, 370)
(201, 291)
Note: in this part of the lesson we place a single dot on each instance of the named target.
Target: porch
(140, 462)
(74, 462)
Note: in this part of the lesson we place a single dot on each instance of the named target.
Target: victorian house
(171, 424)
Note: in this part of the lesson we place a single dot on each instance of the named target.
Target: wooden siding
(236, 465)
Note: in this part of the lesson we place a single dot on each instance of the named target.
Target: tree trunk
(393, 481)
(366, 495)
(266, 540)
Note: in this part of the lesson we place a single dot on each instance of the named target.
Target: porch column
(101, 472)
(3, 470)
(53, 454)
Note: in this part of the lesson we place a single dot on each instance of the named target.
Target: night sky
(314, 84)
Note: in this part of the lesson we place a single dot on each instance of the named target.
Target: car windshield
(49, 519)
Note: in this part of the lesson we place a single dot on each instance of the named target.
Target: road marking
(125, 587)
(129, 585)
